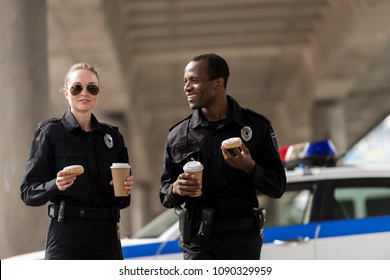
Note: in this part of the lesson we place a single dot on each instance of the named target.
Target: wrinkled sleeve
(38, 182)
(269, 175)
(169, 174)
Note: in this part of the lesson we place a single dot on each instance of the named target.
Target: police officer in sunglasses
(225, 222)
(83, 209)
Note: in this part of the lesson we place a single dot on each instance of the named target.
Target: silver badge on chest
(246, 133)
(108, 140)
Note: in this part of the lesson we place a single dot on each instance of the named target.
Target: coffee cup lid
(193, 166)
(120, 165)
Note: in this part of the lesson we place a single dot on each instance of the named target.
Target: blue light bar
(316, 153)
(320, 148)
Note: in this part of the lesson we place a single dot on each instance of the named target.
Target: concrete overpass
(316, 68)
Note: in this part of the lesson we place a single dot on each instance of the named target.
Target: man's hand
(242, 160)
(187, 185)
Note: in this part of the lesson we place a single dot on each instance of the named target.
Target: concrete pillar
(23, 103)
(329, 123)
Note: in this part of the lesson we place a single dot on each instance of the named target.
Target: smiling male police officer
(222, 223)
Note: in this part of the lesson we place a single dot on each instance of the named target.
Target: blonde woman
(83, 209)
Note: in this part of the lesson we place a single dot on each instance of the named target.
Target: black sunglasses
(77, 89)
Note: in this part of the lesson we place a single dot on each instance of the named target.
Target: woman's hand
(129, 183)
(64, 180)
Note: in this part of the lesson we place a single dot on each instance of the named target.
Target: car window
(157, 226)
(292, 208)
(361, 198)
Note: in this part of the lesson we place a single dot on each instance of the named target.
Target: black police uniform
(230, 194)
(86, 226)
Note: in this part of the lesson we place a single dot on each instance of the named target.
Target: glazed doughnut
(232, 143)
(74, 169)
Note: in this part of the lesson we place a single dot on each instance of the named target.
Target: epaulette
(48, 121)
(183, 120)
(108, 125)
(258, 114)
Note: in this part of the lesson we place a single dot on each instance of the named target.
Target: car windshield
(157, 226)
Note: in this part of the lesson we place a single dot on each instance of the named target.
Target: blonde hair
(78, 66)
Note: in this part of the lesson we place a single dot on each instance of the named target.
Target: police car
(327, 212)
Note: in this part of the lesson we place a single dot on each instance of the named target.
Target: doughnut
(232, 143)
(74, 169)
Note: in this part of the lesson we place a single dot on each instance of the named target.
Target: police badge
(108, 141)
(246, 133)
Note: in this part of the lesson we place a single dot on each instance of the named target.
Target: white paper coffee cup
(120, 171)
(195, 168)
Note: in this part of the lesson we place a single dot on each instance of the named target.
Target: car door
(356, 220)
(289, 232)
(156, 240)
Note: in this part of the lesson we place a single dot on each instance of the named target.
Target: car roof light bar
(316, 153)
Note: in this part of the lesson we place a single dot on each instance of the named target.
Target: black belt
(230, 225)
(72, 211)
(234, 224)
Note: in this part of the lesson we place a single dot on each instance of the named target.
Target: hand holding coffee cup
(194, 168)
(120, 171)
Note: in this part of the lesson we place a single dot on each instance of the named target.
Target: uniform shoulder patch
(183, 120)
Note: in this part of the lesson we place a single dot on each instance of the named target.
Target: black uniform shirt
(231, 192)
(58, 143)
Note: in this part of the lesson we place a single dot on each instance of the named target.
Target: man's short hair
(218, 67)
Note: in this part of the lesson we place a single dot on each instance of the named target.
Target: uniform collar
(235, 115)
(70, 122)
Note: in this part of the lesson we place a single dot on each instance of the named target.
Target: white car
(328, 212)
